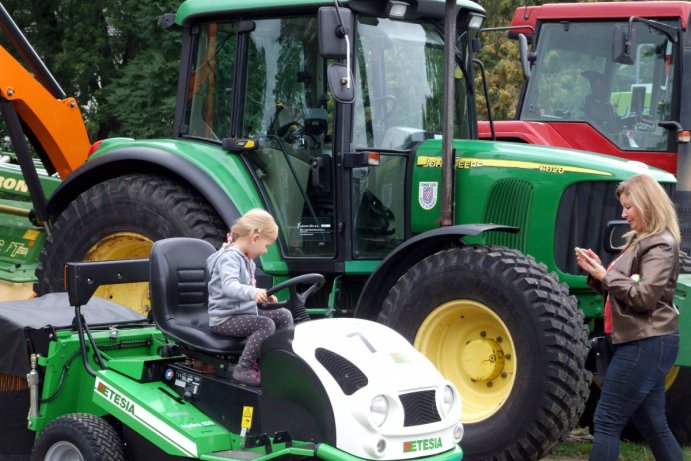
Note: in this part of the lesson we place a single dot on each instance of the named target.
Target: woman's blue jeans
(634, 388)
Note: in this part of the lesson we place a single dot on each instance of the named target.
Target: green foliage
(122, 67)
(112, 56)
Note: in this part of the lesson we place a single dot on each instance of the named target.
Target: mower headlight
(448, 399)
(458, 432)
(379, 410)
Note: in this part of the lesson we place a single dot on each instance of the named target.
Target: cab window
(288, 109)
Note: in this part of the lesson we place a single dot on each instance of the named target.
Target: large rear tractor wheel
(78, 436)
(120, 219)
(508, 335)
(677, 403)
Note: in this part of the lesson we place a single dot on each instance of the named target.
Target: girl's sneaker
(246, 375)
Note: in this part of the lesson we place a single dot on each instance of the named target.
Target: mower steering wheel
(296, 302)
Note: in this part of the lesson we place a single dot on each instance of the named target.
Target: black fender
(408, 253)
(142, 160)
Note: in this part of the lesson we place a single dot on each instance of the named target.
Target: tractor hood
(557, 198)
(548, 162)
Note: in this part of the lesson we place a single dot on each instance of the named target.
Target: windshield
(576, 79)
(399, 95)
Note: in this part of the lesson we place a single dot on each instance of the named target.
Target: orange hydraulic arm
(50, 118)
(56, 123)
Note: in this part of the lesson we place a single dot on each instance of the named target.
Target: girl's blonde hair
(654, 205)
(255, 221)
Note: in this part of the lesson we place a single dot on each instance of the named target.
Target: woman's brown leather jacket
(641, 288)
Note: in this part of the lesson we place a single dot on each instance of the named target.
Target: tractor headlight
(448, 399)
(379, 410)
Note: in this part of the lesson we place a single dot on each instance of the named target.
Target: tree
(500, 58)
(112, 56)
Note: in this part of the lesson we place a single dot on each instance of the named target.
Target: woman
(640, 321)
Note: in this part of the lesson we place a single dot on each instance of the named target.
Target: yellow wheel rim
(472, 347)
(671, 377)
(123, 245)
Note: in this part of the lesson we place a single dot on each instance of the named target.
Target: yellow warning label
(31, 234)
(247, 413)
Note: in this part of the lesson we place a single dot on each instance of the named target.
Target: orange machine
(51, 121)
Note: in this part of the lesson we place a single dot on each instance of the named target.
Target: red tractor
(608, 78)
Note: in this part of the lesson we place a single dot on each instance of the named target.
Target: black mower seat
(179, 295)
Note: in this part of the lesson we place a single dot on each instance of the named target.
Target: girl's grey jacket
(230, 285)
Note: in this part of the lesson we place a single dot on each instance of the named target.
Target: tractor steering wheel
(296, 302)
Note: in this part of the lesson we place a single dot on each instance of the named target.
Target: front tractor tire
(78, 436)
(508, 335)
(120, 219)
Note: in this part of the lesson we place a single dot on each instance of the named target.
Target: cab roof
(191, 9)
(601, 11)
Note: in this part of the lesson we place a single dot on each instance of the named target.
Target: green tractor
(355, 127)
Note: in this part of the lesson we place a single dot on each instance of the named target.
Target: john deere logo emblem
(427, 196)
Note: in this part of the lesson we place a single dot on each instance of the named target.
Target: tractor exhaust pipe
(448, 166)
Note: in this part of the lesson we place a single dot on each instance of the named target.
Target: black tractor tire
(78, 435)
(138, 206)
(685, 262)
(545, 334)
(678, 406)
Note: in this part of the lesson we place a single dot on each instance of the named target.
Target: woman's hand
(590, 262)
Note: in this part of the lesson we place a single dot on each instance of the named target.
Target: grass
(578, 448)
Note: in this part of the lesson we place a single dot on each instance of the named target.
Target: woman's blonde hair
(654, 205)
(255, 221)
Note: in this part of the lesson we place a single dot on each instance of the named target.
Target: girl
(233, 295)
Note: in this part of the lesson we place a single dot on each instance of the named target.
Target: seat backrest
(179, 283)
(180, 293)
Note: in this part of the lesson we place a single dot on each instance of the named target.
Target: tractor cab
(606, 78)
(328, 169)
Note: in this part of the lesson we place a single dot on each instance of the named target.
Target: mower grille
(349, 377)
(420, 408)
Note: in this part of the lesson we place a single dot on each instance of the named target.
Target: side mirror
(333, 32)
(339, 77)
(334, 43)
(614, 235)
(623, 44)
(526, 56)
